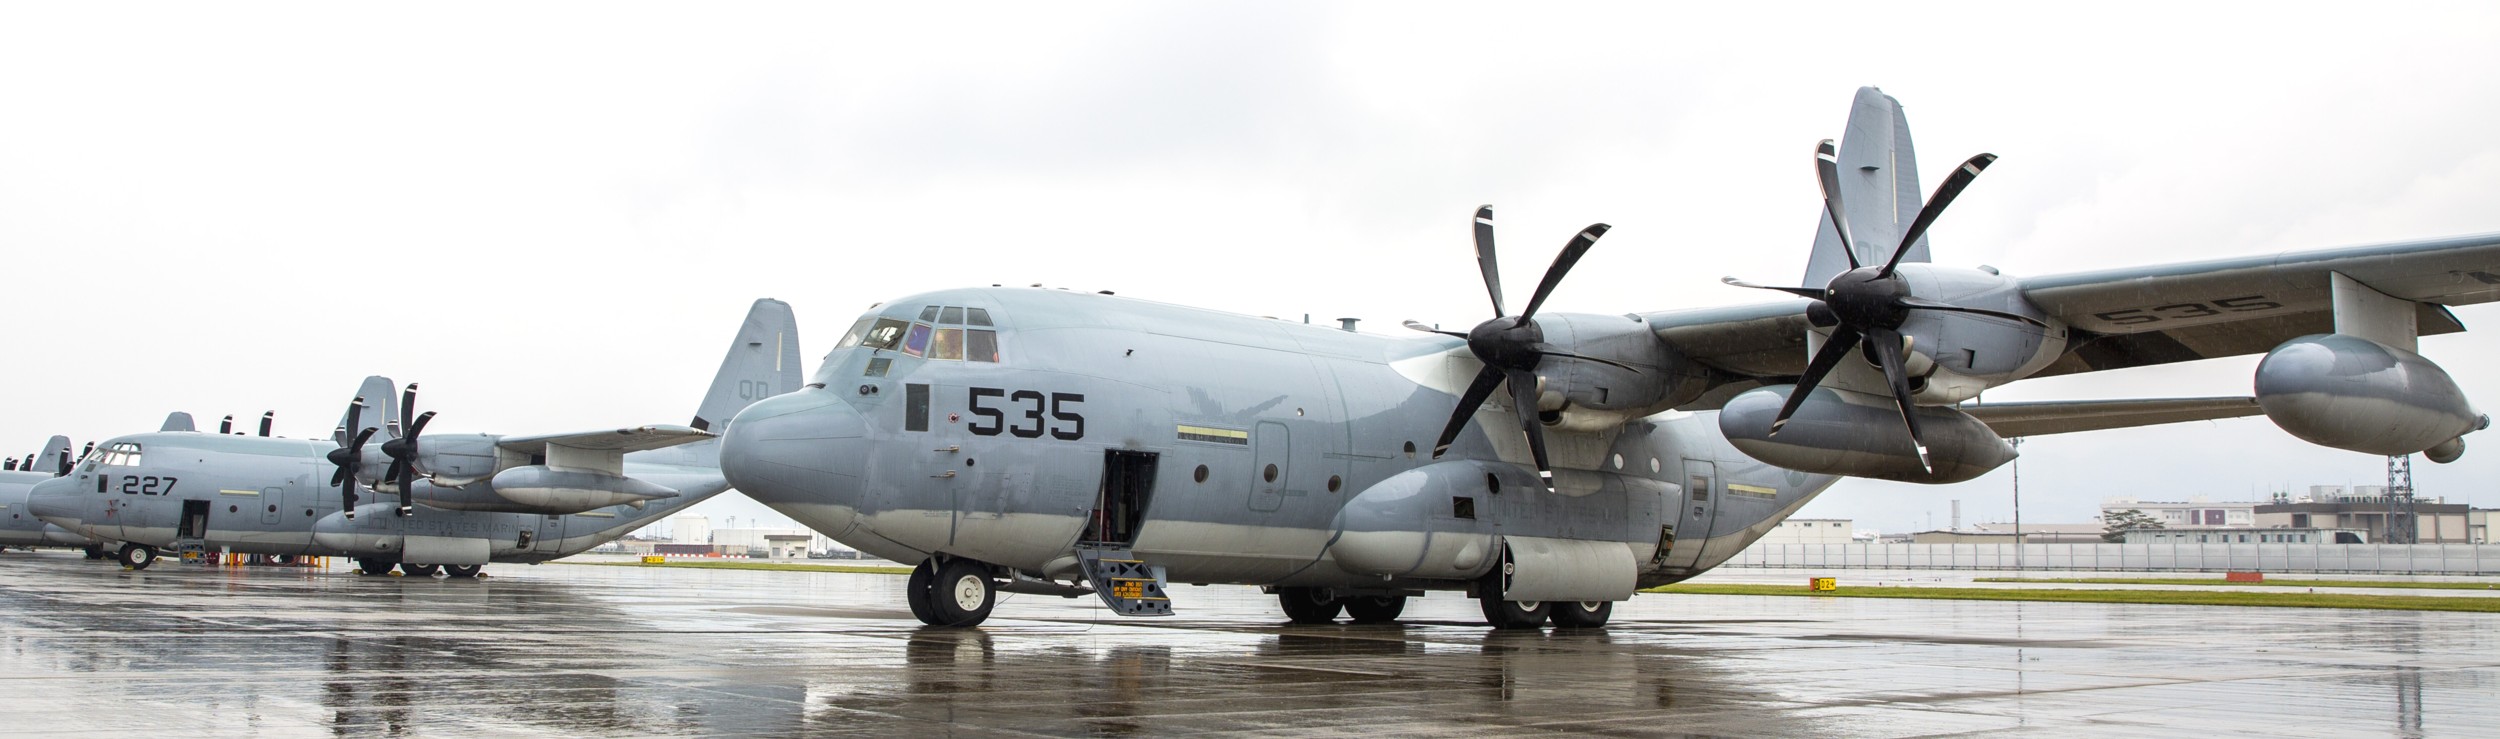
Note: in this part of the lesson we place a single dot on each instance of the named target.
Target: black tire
(1375, 609)
(421, 570)
(918, 591)
(137, 556)
(962, 595)
(95, 551)
(1583, 615)
(1512, 614)
(1309, 605)
(375, 567)
(462, 571)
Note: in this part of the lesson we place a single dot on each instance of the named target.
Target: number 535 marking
(1070, 426)
(2176, 311)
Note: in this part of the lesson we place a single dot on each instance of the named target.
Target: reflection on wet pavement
(86, 647)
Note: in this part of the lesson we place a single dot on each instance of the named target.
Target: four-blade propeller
(1866, 306)
(1512, 346)
(403, 449)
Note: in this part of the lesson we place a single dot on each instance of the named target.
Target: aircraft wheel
(1513, 614)
(462, 571)
(1375, 609)
(917, 591)
(95, 551)
(1309, 605)
(1587, 614)
(421, 570)
(962, 594)
(138, 556)
(375, 567)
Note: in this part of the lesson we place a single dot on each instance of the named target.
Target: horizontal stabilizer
(640, 438)
(2068, 416)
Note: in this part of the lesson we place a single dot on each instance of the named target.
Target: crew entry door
(1699, 507)
(1128, 480)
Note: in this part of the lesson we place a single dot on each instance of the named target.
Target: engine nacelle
(459, 459)
(1594, 396)
(2352, 393)
(554, 491)
(1404, 526)
(1839, 432)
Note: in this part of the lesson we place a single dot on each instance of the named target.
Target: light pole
(2018, 503)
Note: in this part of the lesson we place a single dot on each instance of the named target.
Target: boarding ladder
(1129, 586)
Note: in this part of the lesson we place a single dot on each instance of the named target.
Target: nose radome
(775, 448)
(55, 501)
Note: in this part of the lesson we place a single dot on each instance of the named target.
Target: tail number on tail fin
(993, 421)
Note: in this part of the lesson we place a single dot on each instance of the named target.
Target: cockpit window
(981, 345)
(885, 334)
(947, 344)
(952, 316)
(916, 343)
(929, 314)
(858, 331)
(977, 316)
(121, 454)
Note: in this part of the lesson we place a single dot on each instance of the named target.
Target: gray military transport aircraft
(1042, 441)
(477, 498)
(19, 527)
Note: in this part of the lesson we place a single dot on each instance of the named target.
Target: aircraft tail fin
(1879, 190)
(381, 411)
(177, 421)
(55, 458)
(763, 362)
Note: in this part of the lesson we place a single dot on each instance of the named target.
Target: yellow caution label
(1823, 583)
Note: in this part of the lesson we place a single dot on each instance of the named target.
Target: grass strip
(2157, 597)
(773, 566)
(2218, 581)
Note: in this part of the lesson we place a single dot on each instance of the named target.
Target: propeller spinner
(1866, 306)
(1512, 346)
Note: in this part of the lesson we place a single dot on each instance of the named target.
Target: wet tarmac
(86, 648)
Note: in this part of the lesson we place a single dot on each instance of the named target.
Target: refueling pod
(1840, 432)
(2349, 392)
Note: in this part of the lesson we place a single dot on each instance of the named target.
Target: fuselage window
(858, 331)
(886, 334)
(929, 314)
(981, 345)
(916, 343)
(977, 316)
(947, 344)
(952, 316)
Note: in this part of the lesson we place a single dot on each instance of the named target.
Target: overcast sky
(551, 215)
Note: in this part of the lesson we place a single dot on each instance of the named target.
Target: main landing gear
(1516, 614)
(96, 551)
(138, 556)
(375, 567)
(1320, 605)
(955, 593)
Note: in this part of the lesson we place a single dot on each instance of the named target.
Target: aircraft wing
(640, 438)
(2062, 416)
(2247, 305)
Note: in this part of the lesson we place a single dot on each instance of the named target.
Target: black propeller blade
(403, 450)
(267, 418)
(1866, 307)
(226, 426)
(350, 456)
(64, 465)
(1511, 346)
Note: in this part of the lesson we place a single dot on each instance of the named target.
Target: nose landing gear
(955, 593)
(138, 556)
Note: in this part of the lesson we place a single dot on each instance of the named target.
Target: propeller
(403, 449)
(267, 418)
(1512, 346)
(64, 465)
(226, 426)
(350, 456)
(1866, 306)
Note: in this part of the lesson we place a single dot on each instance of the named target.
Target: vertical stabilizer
(762, 362)
(1878, 186)
(55, 458)
(177, 421)
(381, 410)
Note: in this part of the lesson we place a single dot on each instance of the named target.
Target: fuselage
(19, 526)
(260, 495)
(1004, 424)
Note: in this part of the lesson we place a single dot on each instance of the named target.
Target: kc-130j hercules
(1044, 441)
(477, 498)
(19, 527)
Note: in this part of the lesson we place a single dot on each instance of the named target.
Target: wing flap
(636, 439)
(2068, 416)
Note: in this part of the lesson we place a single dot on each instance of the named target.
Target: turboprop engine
(1828, 434)
(2352, 393)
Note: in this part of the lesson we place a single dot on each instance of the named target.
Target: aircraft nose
(55, 501)
(795, 448)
